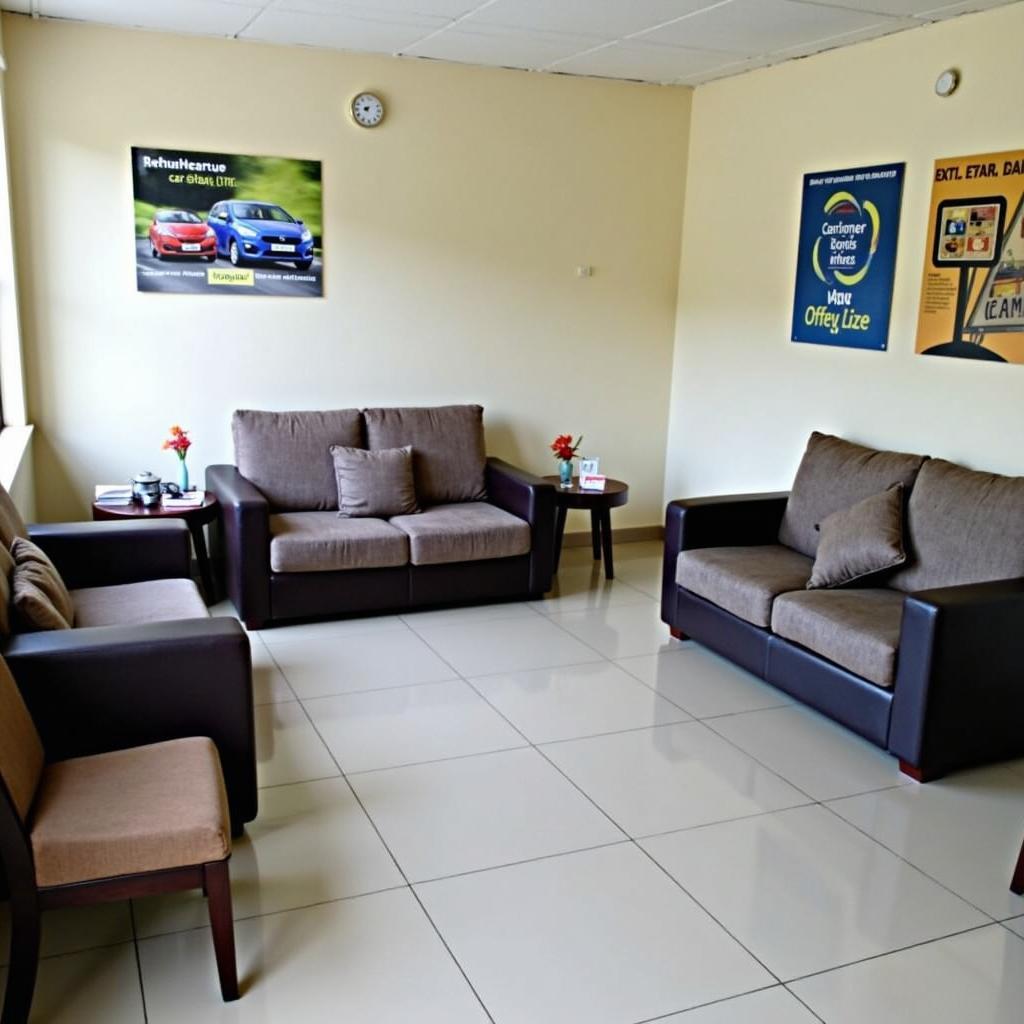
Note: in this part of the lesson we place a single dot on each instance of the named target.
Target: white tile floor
(551, 812)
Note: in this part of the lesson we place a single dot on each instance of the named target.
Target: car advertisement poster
(849, 224)
(972, 290)
(219, 223)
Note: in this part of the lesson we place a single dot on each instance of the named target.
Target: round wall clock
(368, 110)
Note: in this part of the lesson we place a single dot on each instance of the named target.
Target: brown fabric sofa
(925, 659)
(484, 532)
(144, 661)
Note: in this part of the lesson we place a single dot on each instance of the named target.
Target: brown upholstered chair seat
(87, 824)
(465, 532)
(325, 542)
(858, 629)
(132, 604)
(743, 580)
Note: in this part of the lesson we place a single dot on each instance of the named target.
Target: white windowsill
(14, 451)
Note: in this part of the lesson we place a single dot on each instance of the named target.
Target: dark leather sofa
(284, 490)
(956, 695)
(147, 678)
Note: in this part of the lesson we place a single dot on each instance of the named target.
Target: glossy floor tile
(805, 892)
(577, 700)
(268, 683)
(71, 929)
(409, 725)
(362, 626)
(287, 746)
(816, 754)
(964, 830)
(974, 977)
(338, 663)
(372, 960)
(311, 843)
(599, 937)
(479, 812)
(468, 615)
(670, 777)
(505, 645)
(584, 588)
(1017, 924)
(97, 985)
(702, 683)
(620, 631)
(770, 1006)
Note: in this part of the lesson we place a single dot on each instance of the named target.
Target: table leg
(203, 560)
(606, 540)
(595, 533)
(560, 514)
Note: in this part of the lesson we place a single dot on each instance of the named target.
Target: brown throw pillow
(41, 601)
(861, 540)
(374, 483)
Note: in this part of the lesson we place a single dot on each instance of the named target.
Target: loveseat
(921, 652)
(143, 661)
(476, 528)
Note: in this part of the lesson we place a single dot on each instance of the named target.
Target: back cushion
(6, 572)
(21, 752)
(287, 455)
(447, 448)
(11, 523)
(963, 527)
(833, 475)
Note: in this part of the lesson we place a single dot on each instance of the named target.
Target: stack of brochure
(188, 499)
(113, 495)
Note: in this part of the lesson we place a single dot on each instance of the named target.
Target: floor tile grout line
(399, 868)
(138, 960)
(710, 1002)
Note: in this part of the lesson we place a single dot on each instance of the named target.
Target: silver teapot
(146, 488)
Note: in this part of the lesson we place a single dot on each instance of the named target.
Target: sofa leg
(918, 774)
(1017, 885)
(677, 633)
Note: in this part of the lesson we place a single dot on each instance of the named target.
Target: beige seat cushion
(448, 453)
(131, 604)
(325, 542)
(835, 474)
(858, 629)
(964, 527)
(466, 532)
(743, 580)
(144, 809)
(287, 454)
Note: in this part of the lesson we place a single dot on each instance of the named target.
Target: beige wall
(744, 397)
(452, 232)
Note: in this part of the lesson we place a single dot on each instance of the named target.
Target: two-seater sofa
(484, 530)
(925, 660)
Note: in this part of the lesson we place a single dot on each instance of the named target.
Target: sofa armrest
(531, 498)
(104, 554)
(724, 520)
(111, 687)
(243, 543)
(959, 693)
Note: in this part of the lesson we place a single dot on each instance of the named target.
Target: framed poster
(217, 223)
(849, 224)
(972, 289)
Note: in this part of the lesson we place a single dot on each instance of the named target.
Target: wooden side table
(195, 518)
(600, 504)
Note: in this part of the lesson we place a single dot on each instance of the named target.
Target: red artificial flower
(563, 447)
(178, 441)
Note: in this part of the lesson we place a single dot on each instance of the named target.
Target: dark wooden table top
(136, 510)
(615, 493)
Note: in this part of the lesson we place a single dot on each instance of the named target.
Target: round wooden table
(600, 504)
(195, 518)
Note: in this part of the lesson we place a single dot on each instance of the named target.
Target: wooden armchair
(110, 826)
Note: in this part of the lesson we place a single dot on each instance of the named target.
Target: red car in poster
(181, 233)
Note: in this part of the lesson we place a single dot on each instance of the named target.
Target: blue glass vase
(565, 472)
(182, 475)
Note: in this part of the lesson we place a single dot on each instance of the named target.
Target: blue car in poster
(255, 232)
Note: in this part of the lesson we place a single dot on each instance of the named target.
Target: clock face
(368, 110)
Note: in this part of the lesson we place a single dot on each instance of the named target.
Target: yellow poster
(972, 292)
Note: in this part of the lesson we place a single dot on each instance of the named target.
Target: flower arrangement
(564, 449)
(179, 443)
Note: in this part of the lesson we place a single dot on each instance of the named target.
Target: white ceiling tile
(752, 27)
(17, 6)
(342, 32)
(643, 62)
(502, 47)
(938, 12)
(202, 17)
(927, 9)
(885, 28)
(607, 18)
(382, 10)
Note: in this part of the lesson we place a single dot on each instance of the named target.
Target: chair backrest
(21, 750)
(11, 523)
